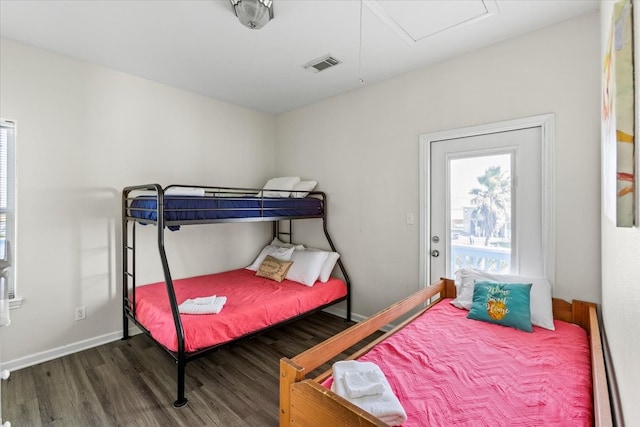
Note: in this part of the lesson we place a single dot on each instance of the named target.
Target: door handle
(435, 253)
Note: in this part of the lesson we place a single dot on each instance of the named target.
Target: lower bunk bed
(445, 369)
(253, 303)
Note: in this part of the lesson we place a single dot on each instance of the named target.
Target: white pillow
(306, 266)
(184, 191)
(541, 304)
(284, 183)
(327, 268)
(278, 242)
(302, 188)
(283, 254)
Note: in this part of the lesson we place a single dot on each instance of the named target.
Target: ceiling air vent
(321, 64)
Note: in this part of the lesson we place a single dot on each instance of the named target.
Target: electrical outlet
(81, 313)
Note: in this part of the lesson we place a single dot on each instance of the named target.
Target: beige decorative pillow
(274, 269)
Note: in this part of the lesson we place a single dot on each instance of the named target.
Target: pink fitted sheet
(449, 370)
(253, 303)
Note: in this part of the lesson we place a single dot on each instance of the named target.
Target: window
(7, 195)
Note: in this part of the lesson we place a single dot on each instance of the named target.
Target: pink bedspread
(252, 303)
(449, 370)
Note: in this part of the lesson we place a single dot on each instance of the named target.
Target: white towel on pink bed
(363, 383)
(203, 305)
(360, 380)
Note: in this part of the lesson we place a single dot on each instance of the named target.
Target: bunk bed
(155, 308)
(444, 369)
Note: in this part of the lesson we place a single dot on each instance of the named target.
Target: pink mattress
(253, 303)
(449, 370)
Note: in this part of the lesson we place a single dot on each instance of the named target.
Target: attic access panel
(417, 20)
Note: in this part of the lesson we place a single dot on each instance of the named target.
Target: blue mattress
(183, 209)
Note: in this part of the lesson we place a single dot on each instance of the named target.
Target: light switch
(409, 218)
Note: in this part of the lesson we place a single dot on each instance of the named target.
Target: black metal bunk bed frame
(181, 357)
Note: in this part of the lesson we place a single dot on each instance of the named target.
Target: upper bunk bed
(156, 308)
(205, 205)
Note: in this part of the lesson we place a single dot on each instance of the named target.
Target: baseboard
(343, 313)
(45, 356)
(354, 317)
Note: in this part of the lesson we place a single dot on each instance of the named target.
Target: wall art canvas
(618, 115)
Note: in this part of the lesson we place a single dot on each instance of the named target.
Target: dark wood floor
(132, 383)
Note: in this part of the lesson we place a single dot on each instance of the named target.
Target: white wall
(362, 147)
(621, 273)
(85, 132)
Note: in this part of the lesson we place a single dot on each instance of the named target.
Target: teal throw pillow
(506, 304)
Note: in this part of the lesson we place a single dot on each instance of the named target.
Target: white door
(486, 204)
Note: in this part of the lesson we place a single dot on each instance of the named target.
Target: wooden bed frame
(305, 402)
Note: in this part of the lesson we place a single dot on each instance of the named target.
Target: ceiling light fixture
(253, 14)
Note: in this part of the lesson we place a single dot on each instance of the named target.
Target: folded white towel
(201, 306)
(184, 191)
(203, 300)
(359, 384)
(385, 405)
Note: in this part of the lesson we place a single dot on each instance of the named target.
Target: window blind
(7, 191)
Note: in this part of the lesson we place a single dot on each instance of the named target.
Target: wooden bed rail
(585, 315)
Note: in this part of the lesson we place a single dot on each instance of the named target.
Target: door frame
(546, 123)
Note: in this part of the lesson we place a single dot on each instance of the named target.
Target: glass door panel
(480, 212)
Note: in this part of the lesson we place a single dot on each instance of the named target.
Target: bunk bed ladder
(128, 267)
(128, 277)
(277, 231)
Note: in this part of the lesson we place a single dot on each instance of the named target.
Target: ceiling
(200, 45)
